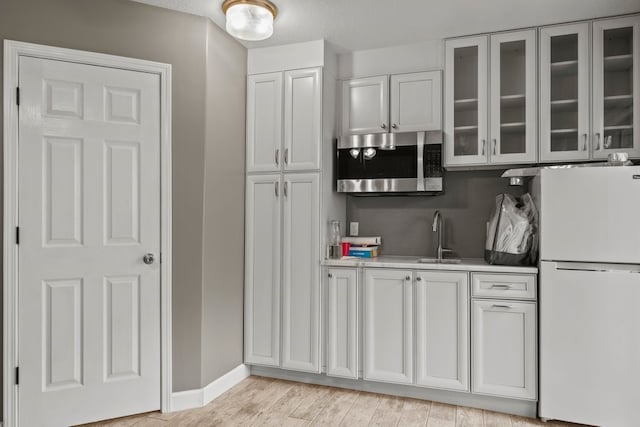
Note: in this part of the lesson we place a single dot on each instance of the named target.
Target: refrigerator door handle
(603, 267)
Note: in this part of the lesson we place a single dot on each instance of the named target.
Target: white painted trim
(198, 398)
(12, 52)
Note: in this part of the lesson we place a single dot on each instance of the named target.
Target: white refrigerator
(589, 298)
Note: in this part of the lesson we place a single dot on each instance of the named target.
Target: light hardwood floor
(259, 401)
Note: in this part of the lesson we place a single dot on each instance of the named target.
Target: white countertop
(411, 262)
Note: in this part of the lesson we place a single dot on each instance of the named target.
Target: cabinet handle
(419, 279)
(408, 278)
(500, 306)
(277, 189)
(484, 145)
(496, 286)
(286, 156)
(330, 276)
(395, 126)
(585, 136)
(607, 144)
(286, 189)
(495, 142)
(597, 140)
(277, 157)
(383, 126)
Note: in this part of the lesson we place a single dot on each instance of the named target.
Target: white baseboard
(198, 398)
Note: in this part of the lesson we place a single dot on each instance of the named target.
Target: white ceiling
(366, 24)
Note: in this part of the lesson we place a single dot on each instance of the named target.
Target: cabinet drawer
(517, 286)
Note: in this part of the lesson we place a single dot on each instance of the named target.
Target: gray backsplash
(404, 222)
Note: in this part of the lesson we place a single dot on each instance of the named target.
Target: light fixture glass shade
(249, 22)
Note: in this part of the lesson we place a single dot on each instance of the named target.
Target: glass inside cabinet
(564, 93)
(465, 103)
(512, 97)
(618, 88)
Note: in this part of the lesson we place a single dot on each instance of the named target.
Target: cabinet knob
(395, 126)
(330, 275)
(277, 157)
(586, 137)
(495, 142)
(597, 140)
(383, 126)
(407, 278)
(419, 279)
(484, 145)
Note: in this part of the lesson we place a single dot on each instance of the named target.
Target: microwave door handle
(420, 151)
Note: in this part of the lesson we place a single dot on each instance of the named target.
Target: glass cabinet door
(466, 101)
(616, 86)
(513, 98)
(564, 93)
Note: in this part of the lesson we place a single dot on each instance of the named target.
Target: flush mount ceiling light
(250, 19)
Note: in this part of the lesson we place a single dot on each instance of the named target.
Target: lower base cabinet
(388, 325)
(342, 322)
(503, 340)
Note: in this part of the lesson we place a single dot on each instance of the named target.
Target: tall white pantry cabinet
(289, 201)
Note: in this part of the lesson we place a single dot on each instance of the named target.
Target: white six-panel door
(262, 270)
(301, 272)
(388, 325)
(89, 210)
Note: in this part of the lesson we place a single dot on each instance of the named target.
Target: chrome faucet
(437, 228)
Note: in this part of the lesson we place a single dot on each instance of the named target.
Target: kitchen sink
(439, 261)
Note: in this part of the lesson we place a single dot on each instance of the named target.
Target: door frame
(13, 50)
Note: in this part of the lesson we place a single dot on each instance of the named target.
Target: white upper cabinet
(442, 330)
(264, 122)
(564, 93)
(270, 148)
(416, 101)
(388, 325)
(302, 119)
(365, 105)
(616, 86)
(513, 106)
(465, 95)
(301, 272)
(496, 127)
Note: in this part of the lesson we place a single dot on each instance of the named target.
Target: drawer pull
(496, 286)
(500, 306)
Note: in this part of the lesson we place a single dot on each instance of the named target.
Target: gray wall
(404, 222)
(223, 278)
(191, 45)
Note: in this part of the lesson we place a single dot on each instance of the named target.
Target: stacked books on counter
(363, 247)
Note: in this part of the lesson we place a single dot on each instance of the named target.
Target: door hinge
(17, 235)
(18, 96)
(17, 375)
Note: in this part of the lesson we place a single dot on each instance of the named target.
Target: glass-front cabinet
(513, 98)
(616, 86)
(466, 101)
(564, 93)
(496, 126)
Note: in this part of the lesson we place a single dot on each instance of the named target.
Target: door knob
(149, 258)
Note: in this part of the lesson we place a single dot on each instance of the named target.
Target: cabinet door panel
(504, 348)
(301, 273)
(302, 119)
(616, 86)
(342, 322)
(365, 105)
(388, 326)
(466, 101)
(264, 122)
(442, 330)
(262, 271)
(564, 93)
(513, 98)
(416, 102)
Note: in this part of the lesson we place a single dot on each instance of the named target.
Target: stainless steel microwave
(390, 163)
